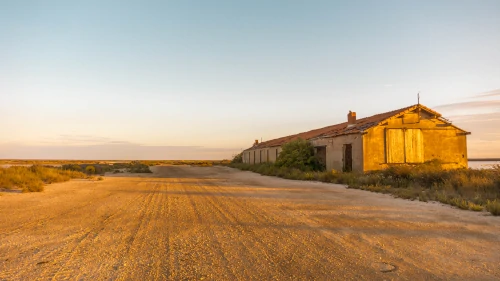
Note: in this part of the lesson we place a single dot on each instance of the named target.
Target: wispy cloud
(122, 151)
(480, 115)
(494, 93)
(470, 105)
(72, 140)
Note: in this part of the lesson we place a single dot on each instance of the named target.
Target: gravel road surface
(217, 223)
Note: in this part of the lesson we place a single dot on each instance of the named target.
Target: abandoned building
(410, 135)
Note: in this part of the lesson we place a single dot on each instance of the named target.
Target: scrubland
(467, 189)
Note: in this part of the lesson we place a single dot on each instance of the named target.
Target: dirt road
(186, 223)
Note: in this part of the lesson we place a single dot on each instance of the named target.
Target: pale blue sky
(203, 79)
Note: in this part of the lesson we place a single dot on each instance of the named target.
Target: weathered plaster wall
(272, 153)
(261, 155)
(335, 153)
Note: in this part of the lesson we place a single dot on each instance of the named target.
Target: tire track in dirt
(155, 239)
(137, 240)
(203, 214)
(251, 243)
(41, 221)
(187, 236)
(178, 223)
(45, 256)
(69, 259)
(160, 264)
(317, 250)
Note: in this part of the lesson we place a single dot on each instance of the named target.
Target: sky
(204, 79)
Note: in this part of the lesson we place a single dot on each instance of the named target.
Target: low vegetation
(33, 179)
(201, 163)
(493, 207)
(59, 163)
(137, 167)
(467, 189)
(102, 168)
(299, 155)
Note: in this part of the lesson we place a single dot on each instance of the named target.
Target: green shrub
(137, 167)
(90, 170)
(238, 158)
(299, 154)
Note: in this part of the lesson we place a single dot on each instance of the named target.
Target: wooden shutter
(414, 146)
(395, 146)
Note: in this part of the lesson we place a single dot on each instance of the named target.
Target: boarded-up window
(395, 145)
(414, 146)
(404, 146)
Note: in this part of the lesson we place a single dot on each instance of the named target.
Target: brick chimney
(256, 142)
(351, 118)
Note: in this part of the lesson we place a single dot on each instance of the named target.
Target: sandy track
(184, 223)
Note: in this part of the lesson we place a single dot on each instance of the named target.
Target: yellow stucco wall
(441, 141)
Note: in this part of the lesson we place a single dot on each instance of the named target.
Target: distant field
(17, 162)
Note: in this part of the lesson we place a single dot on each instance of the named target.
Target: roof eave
(338, 135)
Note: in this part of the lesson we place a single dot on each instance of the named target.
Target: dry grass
(467, 189)
(33, 179)
(493, 207)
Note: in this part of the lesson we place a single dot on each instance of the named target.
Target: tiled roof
(342, 128)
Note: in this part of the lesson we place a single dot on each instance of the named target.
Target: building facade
(410, 135)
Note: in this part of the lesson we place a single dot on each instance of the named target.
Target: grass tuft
(493, 207)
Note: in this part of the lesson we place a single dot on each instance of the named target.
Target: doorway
(321, 154)
(347, 157)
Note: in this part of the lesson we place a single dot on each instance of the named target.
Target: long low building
(409, 135)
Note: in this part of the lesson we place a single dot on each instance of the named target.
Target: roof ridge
(341, 128)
